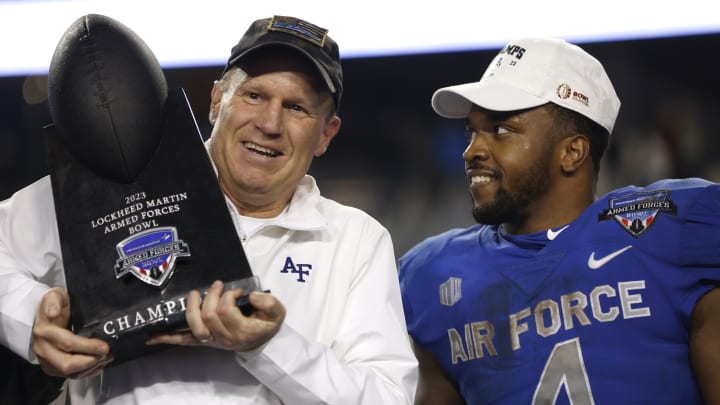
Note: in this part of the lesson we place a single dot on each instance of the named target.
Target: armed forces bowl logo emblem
(637, 212)
(150, 255)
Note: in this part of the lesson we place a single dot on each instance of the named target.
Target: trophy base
(126, 332)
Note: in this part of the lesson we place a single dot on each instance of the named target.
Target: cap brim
(321, 69)
(457, 101)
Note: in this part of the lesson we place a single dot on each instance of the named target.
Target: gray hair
(230, 81)
(235, 77)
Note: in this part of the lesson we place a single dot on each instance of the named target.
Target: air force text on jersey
(604, 303)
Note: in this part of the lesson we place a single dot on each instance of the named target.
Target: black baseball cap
(307, 38)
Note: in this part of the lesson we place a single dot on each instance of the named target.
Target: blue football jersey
(595, 312)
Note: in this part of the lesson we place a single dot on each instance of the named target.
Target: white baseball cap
(530, 72)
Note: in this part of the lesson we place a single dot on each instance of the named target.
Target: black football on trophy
(107, 93)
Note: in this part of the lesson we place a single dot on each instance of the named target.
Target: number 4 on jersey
(565, 368)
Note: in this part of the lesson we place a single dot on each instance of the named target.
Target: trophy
(140, 215)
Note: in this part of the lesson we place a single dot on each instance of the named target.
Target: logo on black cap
(299, 28)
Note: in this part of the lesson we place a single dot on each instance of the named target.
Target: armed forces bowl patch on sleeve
(637, 212)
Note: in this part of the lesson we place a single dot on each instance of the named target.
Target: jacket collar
(303, 212)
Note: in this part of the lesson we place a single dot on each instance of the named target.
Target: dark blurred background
(401, 163)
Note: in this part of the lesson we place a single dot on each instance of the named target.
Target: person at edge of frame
(556, 296)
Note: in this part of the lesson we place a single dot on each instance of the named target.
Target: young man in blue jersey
(556, 296)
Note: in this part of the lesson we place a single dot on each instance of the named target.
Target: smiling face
(270, 120)
(508, 164)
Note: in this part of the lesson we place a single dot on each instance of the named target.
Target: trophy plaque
(141, 218)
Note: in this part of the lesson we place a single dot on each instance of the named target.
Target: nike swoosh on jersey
(595, 264)
(551, 235)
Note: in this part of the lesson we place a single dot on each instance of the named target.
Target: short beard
(511, 205)
(505, 208)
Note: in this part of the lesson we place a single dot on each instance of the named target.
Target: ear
(331, 130)
(215, 97)
(574, 152)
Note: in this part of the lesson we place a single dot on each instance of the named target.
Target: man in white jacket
(332, 330)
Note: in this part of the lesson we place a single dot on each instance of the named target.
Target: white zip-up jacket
(344, 339)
